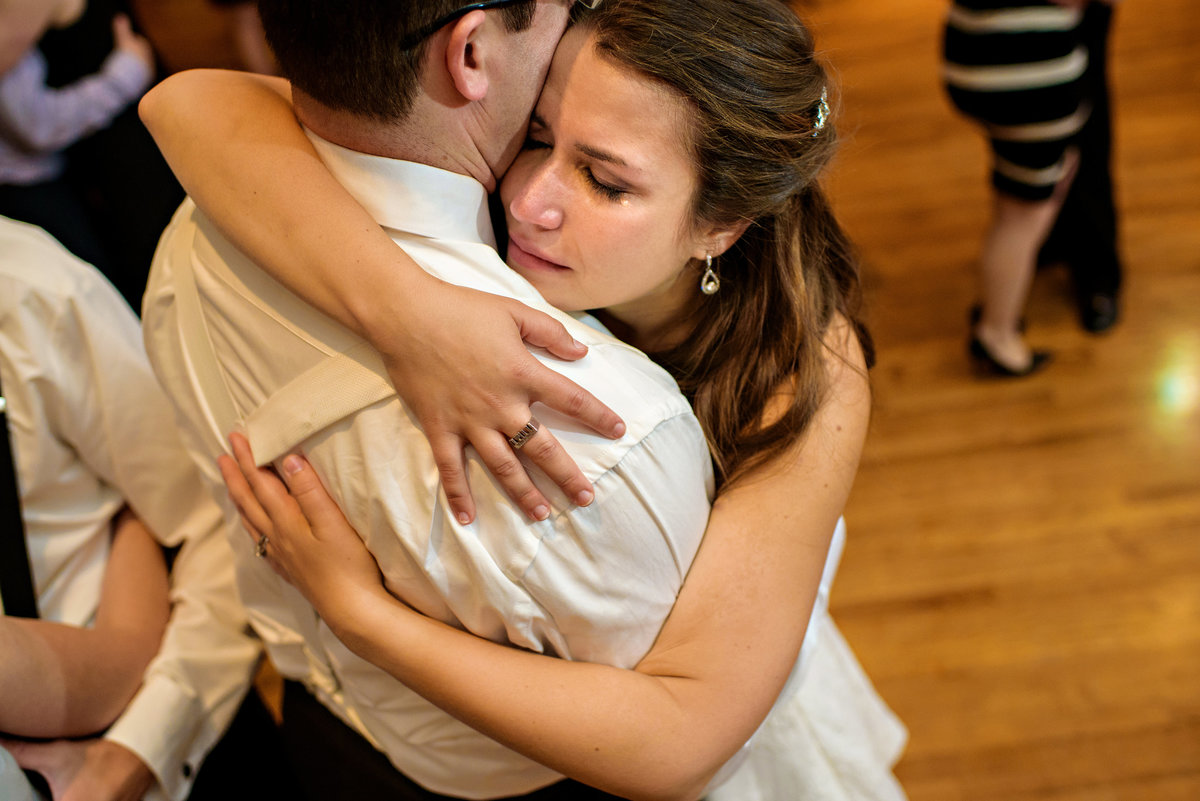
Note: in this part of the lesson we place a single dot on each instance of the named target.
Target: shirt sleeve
(39, 119)
(123, 428)
(606, 579)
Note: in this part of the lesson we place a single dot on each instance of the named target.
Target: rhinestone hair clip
(822, 112)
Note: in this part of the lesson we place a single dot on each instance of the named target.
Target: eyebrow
(601, 155)
(536, 119)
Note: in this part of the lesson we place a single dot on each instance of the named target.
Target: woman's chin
(554, 294)
(560, 300)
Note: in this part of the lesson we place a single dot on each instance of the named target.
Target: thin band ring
(260, 549)
(518, 440)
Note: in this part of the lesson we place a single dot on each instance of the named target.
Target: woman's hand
(307, 539)
(459, 360)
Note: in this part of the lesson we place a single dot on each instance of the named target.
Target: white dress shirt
(91, 431)
(592, 583)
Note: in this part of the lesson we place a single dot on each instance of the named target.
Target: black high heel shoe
(989, 364)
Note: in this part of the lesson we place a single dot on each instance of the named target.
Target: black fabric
(333, 763)
(248, 763)
(56, 207)
(974, 49)
(80, 48)
(1030, 102)
(16, 578)
(130, 194)
(1085, 234)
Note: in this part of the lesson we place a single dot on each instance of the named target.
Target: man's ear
(718, 240)
(465, 56)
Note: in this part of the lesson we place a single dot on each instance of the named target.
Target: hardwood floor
(1022, 579)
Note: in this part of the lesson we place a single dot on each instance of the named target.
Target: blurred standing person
(127, 190)
(1019, 69)
(39, 122)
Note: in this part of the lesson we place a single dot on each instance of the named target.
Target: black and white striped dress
(1017, 69)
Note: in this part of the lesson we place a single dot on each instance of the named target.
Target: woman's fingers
(321, 512)
(554, 390)
(564, 395)
(269, 492)
(543, 331)
(544, 450)
(452, 469)
(502, 462)
(254, 517)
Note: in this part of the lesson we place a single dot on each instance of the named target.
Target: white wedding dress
(830, 736)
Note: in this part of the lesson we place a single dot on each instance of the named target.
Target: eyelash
(610, 192)
(605, 190)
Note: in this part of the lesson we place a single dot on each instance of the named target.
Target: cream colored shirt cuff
(164, 726)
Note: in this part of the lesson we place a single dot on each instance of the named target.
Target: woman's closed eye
(538, 138)
(603, 189)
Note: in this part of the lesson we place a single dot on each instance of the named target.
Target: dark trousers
(247, 764)
(56, 207)
(333, 763)
(1085, 234)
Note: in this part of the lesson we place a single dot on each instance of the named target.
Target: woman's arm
(455, 355)
(67, 681)
(660, 730)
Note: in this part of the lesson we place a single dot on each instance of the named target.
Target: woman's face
(598, 201)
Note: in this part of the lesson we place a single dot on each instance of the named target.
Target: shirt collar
(410, 197)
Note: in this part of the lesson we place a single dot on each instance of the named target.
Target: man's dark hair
(345, 54)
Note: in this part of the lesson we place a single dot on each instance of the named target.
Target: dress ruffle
(833, 739)
(830, 736)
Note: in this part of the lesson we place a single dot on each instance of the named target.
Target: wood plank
(1022, 578)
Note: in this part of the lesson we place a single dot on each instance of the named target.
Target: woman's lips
(521, 255)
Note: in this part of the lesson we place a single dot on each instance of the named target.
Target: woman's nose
(538, 200)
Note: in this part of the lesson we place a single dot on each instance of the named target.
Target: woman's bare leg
(1006, 268)
(66, 681)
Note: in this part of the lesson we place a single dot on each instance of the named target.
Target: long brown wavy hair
(759, 141)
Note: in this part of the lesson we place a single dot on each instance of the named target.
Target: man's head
(451, 82)
(364, 56)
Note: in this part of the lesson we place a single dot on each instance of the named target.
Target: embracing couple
(620, 588)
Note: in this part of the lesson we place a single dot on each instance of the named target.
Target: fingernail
(619, 430)
(541, 512)
(292, 464)
(578, 345)
(463, 518)
(584, 497)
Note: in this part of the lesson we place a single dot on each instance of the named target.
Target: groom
(416, 108)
